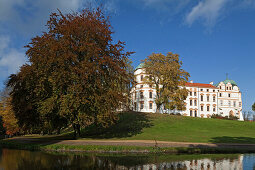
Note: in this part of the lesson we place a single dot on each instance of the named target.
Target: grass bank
(161, 127)
(119, 149)
(158, 127)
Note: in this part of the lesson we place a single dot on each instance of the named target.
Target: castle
(203, 100)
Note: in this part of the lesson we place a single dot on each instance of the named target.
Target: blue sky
(212, 37)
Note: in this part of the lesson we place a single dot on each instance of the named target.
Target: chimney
(211, 82)
(191, 81)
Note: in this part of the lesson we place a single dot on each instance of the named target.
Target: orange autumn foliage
(10, 123)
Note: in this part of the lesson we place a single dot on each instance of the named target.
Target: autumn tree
(75, 72)
(10, 123)
(165, 73)
(2, 129)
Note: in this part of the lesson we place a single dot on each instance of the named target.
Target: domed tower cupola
(227, 84)
(140, 66)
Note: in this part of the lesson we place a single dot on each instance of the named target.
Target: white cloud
(29, 17)
(172, 6)
(10, 58)
(207, 10)
(248, 3)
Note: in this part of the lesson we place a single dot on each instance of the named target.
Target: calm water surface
(20, 159)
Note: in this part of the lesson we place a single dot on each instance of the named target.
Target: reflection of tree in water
(20, 159)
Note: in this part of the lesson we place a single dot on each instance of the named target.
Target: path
(148, 143)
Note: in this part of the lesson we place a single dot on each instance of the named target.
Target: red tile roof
(200, 85)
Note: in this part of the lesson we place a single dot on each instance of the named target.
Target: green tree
(168, 78)
(76, 72)
(253, 107)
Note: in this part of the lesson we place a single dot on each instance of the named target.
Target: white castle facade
(203, 100)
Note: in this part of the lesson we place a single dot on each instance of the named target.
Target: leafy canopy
(165, 73)
(75, 73)
(253, 107)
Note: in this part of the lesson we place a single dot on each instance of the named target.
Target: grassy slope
(176, 128)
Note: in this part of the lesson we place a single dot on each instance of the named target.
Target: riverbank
(124, 146)
(146, 133)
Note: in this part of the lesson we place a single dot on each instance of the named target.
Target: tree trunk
(59, 130)
(78, 130)
(158, 109)
(75, 133)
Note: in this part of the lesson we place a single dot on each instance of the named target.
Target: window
(190, 113)
(214, 108)
(240, 104)
(150, 86)
(220, 87)
(221, 102)
(213, 90)
(220, 95)
(141, 77)
(214, 98)
(195, 93)
(227, 88)
(141, 105)
(195, 102)
(229, 103)
(190, 93)
(195, 113)
(141, 86)
(234, 103)
(202, 97)
(135, 105)
(201, 89)
(229, 95)
(207, 90)
(141, 95)
(208, 108)
(150, 105)
(202, 108)
(150, 94)
(208, 97)
(190, 102)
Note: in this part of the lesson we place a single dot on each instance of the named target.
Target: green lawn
(161, 127)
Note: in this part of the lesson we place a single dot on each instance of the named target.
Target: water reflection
(20, 159)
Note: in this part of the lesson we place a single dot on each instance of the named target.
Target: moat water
(28, 160)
